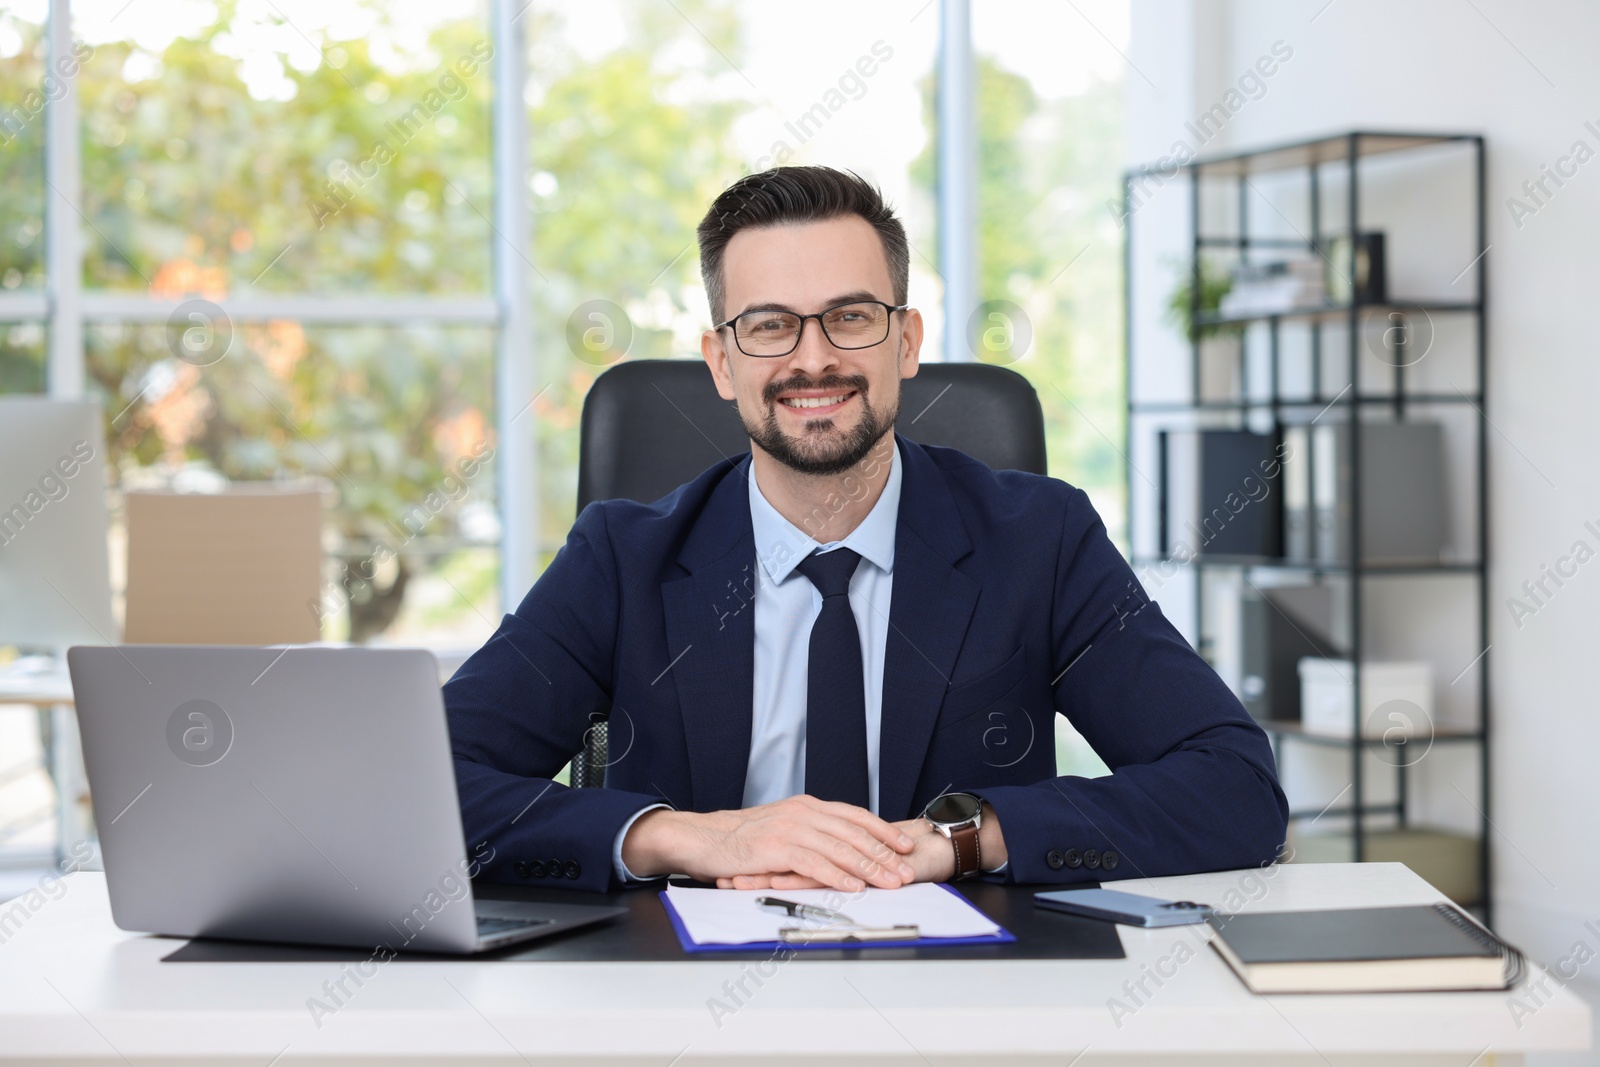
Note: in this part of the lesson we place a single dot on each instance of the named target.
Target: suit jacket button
(573, 869)
(1109, 860)
(1055, 859)
(537, 867)
(1074, 859)
(1091, 858)
(522, 869)
(555, 868)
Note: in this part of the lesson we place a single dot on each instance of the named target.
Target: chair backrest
(651, 425)
(241, 567)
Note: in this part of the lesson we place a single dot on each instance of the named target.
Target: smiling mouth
(807, 403)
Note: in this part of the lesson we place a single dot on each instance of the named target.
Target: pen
(804, 911)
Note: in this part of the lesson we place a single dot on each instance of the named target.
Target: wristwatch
(958, 816)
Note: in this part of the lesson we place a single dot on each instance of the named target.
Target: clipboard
(1000, 937)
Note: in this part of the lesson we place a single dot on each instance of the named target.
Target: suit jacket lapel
(710, 625)
(930, 608)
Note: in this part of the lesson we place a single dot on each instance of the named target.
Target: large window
(1049, 127)
(238, 158)
(294, 261)
(22, 70)
(326, 149)
(1050, 85)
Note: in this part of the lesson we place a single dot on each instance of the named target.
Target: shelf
(1296, 730)
(1367, 570)
(1368, 399)
(1332, 172)
(1256, 242)
(1321, 312)
(1315, 152)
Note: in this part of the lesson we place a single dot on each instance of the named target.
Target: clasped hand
(796, 843)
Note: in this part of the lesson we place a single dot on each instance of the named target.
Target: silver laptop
(300, 794)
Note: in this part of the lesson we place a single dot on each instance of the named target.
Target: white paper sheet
(732, 916)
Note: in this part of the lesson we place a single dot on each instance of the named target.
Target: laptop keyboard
(488, 927)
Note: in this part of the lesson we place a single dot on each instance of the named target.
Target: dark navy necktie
(836, 702)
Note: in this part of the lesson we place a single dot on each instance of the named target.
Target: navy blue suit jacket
(1010, 605)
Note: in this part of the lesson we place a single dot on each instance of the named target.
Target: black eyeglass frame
(801, 331)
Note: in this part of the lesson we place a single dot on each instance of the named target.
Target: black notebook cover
(1365, 950)
(1420, 932)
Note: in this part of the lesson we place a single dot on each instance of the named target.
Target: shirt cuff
(997, 870)
(624, 875)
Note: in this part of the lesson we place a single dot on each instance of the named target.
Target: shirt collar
(781, 545)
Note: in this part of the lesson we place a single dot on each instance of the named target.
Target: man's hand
(830, 844)
(932, 857)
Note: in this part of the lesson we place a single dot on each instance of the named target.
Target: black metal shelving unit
(1343, 155)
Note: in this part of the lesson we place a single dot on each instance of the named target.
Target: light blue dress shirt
(786, 606)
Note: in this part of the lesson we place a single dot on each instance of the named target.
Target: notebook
(708, 920)
(1364, 950)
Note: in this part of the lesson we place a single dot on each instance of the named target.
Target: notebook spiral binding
(1516, 963)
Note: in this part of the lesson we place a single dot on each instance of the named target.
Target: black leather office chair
(650, 425)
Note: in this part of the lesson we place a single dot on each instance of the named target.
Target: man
(838, 664)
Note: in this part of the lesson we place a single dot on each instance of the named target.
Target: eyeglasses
(765, 334)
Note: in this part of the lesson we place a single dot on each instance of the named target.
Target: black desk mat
(645, 935)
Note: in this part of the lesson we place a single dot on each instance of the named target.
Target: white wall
(1528, 82)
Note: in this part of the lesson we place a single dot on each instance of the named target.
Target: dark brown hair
(797, 194)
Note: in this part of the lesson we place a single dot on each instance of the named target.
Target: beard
(818, 450)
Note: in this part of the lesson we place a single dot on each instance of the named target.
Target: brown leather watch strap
(968, 858)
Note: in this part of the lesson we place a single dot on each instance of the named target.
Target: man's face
(806, 268)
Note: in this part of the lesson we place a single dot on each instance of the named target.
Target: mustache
(854, 382)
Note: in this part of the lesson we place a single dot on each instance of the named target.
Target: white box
(1396, 698)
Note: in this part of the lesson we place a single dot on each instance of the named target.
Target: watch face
(953, 808)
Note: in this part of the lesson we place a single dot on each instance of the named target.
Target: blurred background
(383, 251)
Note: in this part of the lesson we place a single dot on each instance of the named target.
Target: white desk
(50, 690)
(73, 988)
(39, 688)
